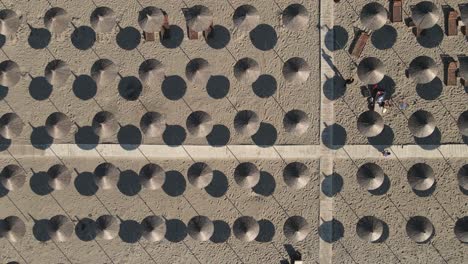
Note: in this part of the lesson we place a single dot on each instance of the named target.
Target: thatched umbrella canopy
(199, 124)
(247, 70)
(58, 125)
(59, 177)
(104, 72)
(419, 229)
(151, 19)
(373, 16)
(57, 72)
(12, 228)
(246, 228)
(246, 17)
(103, 19)
(200, 228)
(370, 124)
(10, 73)
(104, 124)
(60, 228)
(153, 124)
(295, 17)
(461, 229)
(152, 72)
(296, 70)
(12, 177)
(106, 176)
(370, 228)
(462, 123)
(199, 18)
(425, 14)
(296, 175)
(57, 20)
(421, 177)
(296, 122)
(370, 176)
(421, 124)
(9, 22)
(107, 227)
(296, 228)
(462, 177)
(11, 125)
(200, 175)
(154, 228)
(198, 71)
(371, 70)
(152, 176)
(246, 123)
(246, 175)
(422, 69)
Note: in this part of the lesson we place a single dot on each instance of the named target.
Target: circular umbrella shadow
(129, 137)
(332, 184)
(174, 135)
(130, 88)
(128, 38)
(219, 136)
(130, 231)
(384, 38)
(39, 88)
(39, 38)
(173, 37)
(384, 139)
(334, 87)
(267, 184)
(86, 229)
(39, 183)
(334, 136)
(431, 37)
(431, 90)
(266, 135)
(40, 230)
(40, 139)
(129, 183)
(331, 231)
(264, 37)
(85, 184)
(265, 86)
(218, 86)
(218, 185)
(84, 87)
(267, 231)
(222, 232)
(219, 37)
(85, 138)
(175, 184)
(336, 38)
(83, 37)
(176, 230)
(430, 142)
(174, 87)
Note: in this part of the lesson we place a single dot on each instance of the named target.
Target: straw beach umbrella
(151, 19)
(296, 70)
(198, 71)
(152, 176)
(421, 124)
(199, 18)
(104, 124)
(57, 72)
(373, 16)
(107, 227)
(370, 176)
(421, 177)
(246, 175)
(10, 73)
(60, 228)
(154, 228)
(419, 229)
(425, 14)
(422, 69)
(247, 70)
(58, 125)
(246, 123)
(153, 124)
(199, 124)
(200, 175)
(462, 123)
(370, 123)
(295, 17)
(200, 228)
(246, 228)
(296, 228)
(12, 228)
(246, 17)
(12, 177)
(11, 125)
(106, 176)
(59, 177)
(296, 175)
(103, 19)
(151, 72)
(461, 229)
(57, 20)
(104, 72)
(296, 122)
(370, 228)
(9, 22)
(371, 70)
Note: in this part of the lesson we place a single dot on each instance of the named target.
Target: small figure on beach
(386, 153)
(349, 81)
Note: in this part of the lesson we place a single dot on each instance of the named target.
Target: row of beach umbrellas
(152, 71)
(153, 124)
(296, 175)
(151, 19)
(153, 228)
(421, 124)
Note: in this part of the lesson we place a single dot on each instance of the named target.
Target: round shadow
(218, 185)
(3, 90)
(388, 84)
(129, 183)
(266, 185)
(174, 87)
(40, 230)
(130, 88)
(40, 89)
(174, 135)
(176, 230)
(39, 38)
(431, 37)
(427, 192)
(2, 41)
(384, 38)
(267, 231)
(431, 142)
(334, 136)
(4, 143)
(219, 136)
(85, 138)
(385, 233)
(264, 37)
(431, 90)
(222, 232)
(219, 37)
(383, 189)
(336, 38)
(39, 183)
(3, 191)
(85, 184)
(218, 86)
(130, 231)
(265, 86)
(86, 229)
(334, 87)
(129, 137)
(332, 184)
(383, 140)
(266, 135)
(40, 139)
(331, 231)
(173, 37)
(83, 37)
(84, 87)
(128, 38)
(175, 184)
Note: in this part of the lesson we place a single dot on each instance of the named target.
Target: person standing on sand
(386, 153)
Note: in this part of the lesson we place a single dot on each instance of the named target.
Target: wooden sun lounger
(452, 74)
(452, 23)
(191, 33)
(149, 36)
(396, 11)
(360, 44)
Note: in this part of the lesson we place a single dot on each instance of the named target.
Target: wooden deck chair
(191, 33)
(452, 74)
(452, 23)
(396, 10)
(149, 36)
(359, 44)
